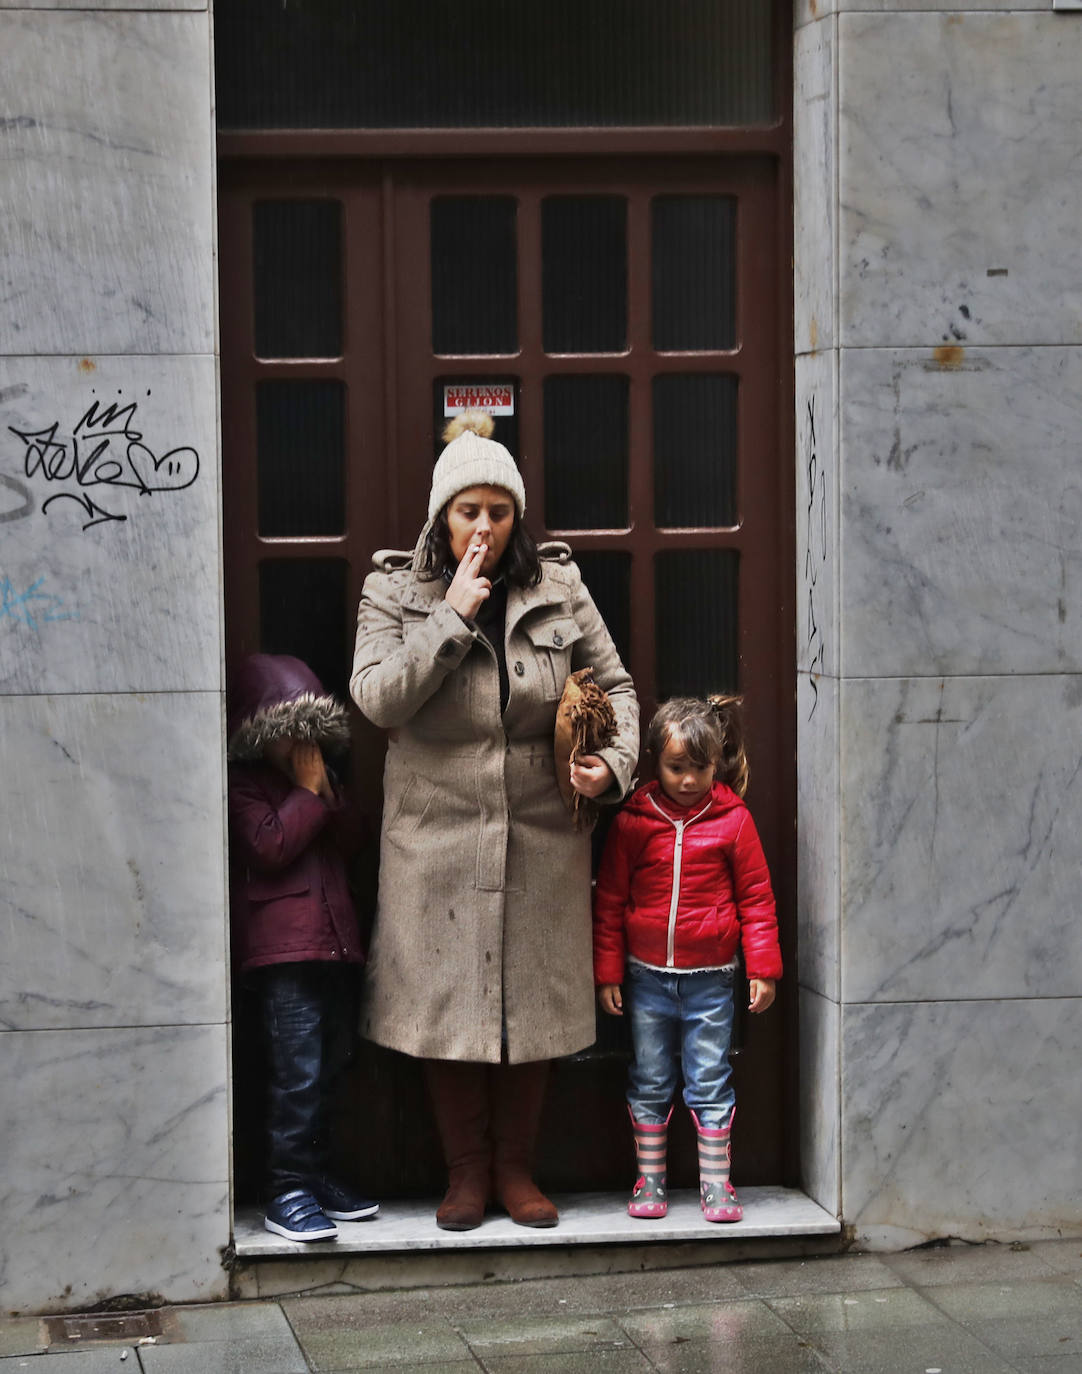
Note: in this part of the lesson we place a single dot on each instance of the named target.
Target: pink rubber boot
(650, 1197)
(717, 1197)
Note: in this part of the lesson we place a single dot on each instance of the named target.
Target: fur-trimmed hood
(274, 695)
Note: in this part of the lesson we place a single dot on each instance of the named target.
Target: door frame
(236, 150)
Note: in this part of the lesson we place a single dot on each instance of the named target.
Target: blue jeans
(309, 1014)
(680, 1019)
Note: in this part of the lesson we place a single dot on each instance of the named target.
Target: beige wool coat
(484, 889)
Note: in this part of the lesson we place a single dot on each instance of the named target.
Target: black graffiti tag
(105, 451)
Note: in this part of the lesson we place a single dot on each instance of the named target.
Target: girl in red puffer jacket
(683, 881)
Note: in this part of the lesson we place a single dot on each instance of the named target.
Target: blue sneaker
(341, 1203)
(298, 1216)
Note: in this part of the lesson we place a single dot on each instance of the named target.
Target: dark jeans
(309, 1016)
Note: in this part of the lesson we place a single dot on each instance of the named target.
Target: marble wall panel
(941, 6)
(104, 586)
(820, 1123)
(959, 1120)
(815, 191)
(961, 803)
(958, 179)
(961, 510)
(107, 240)
(103, 4)
(113, 900)
(117, 1180)
(818, 864)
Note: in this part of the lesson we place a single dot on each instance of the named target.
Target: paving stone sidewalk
(959, 1309)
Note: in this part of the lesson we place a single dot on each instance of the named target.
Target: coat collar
(423, 596)
(548, 592)
(651, 799)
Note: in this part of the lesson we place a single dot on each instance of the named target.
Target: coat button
(558, 640)
(520, 668)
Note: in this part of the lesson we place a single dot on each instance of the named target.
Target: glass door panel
(297, 278)
(584, 274)
(300, 429)
(694, 273)
(473, 275)
(585, 455)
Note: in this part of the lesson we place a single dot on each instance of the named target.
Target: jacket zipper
(677, 862)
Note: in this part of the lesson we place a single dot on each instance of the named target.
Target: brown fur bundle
(585, 722)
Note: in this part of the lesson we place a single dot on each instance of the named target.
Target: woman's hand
(611, 999)
(591, 775)
(468, 589)
(762, 993)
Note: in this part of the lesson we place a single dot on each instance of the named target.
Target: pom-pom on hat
(473, 459)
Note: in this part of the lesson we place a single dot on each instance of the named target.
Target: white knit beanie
(472, 459)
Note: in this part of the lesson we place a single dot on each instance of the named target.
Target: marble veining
(109, 574)
(113, 901)
(107, 239)
(961, 537)
(815, 135)
(820, 1117)
(959, 1119)
(818, 836)
(958, 174)
(117, 1181)
(962, 844)
(817, 475)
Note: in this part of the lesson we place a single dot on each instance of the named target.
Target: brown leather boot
(459, 1094)
(517, 1095)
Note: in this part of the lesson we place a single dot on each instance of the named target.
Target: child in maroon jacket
(295, 934)
(683, 880)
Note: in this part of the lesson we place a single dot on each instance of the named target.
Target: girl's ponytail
(732, 765)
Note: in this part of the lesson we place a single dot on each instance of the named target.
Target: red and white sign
(498, 398)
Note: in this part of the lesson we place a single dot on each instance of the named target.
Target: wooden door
(630, 308)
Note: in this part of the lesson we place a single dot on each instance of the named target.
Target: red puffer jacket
(680, 886)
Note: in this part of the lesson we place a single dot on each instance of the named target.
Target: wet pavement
(957, 1309)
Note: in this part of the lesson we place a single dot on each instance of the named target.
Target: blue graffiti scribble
(32, 608)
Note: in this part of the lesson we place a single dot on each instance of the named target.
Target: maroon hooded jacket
(680, 886)
(289, 896)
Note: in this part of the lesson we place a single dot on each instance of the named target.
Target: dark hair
(711, 731)
(520, 564)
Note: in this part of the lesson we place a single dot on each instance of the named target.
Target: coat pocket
(552, 640)
(726, 933)
(411, 801)
(270, 887)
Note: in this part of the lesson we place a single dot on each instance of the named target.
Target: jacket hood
(642, 801)
(274, 695)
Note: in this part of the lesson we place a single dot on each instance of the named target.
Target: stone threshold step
(585, 1219)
